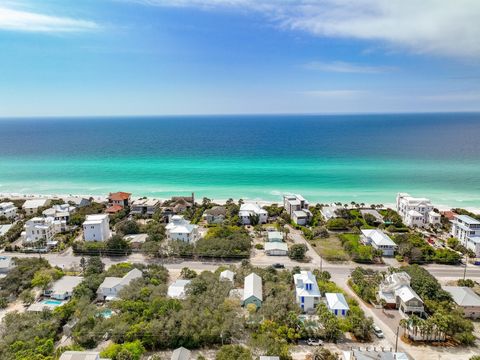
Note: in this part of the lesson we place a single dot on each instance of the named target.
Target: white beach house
(416, 212)
(276, 248)
(8, 209)
(227, 275)
(111, 286)
(297, 207)
(180, 229)
(62, 289)
(80, 355)
(96, 227)
(337, 303)
(466, 299)
(307, 292)
(42, 229)
(177, 290)
(396, 292)
(251, 210)
(31, 206)
(6, 264)
(329, 212)
(60, 212)
(181, 353)
(379, 240)
(467, 230)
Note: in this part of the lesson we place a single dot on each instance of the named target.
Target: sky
(162, 57)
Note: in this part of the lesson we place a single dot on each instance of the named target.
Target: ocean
(326, 158)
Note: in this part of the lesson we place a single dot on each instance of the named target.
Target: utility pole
(465, 268)
(396, 339)
(321, 264)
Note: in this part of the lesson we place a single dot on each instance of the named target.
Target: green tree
(233, 352)
(128, 227)
(331, 324)
(297, 252)
(187, 273)
(42, 279)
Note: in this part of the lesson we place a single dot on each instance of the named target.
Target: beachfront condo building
(249, 212)
(180, 229)
(416, 212)
(467, 230)
(297, 207)
(96, 227)
(8, 209)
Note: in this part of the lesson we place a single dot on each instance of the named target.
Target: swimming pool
(106, 313)
(52, 302)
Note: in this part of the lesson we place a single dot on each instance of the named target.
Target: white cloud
(428, 26)
(341, 93)
(22, 20)
(454, 96)
(346, 67)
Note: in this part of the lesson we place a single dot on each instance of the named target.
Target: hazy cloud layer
(428, 26)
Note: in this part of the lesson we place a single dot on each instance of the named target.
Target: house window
(302, 299)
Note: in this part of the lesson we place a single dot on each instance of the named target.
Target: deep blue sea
(365, 158)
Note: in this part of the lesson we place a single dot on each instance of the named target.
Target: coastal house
(466, 299)
(136, 240)
(180, 229)
(378, 240)
(416, 212)
(307, 292)
(145, 207)
(337, 303)
(467, 230)
(250, 211)
(227, 275)
(276, 248)
(4, 228)
(60, 212)
(41, 229)
(120, 198)
(180, 204)
(396, 292)
(181, 354)
(77, 201)
(373, 354)
(177, 290)
(274, 236)
(111, 286)
(297, 207)
(215, 215)
(62, 289)
(253, 290)
(6, 264)
(8, 210)
(96, 227)
(378, 217)
(80, 355)
(31, 206)
(329, 212)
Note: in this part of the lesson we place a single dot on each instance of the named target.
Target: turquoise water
(106, 313)
(364, 158)
(52, 302)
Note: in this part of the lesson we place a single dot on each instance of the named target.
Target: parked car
(314, 342)
(378, 332)
(278, 266)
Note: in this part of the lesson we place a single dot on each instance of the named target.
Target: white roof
(467, 219)
(34, 203)
(66, 284)
(136, 238)
(181, 354)
(306, 277)
(253, 287)
(414, 213)
(373, 355)
(4, 228)
(276, 246)
(252, 207)
(462, 295)
(378, 237)
(433, 213)
(328, 212)
(7, 205)
(275, 235)
(300, 213)
(414, 201)
(336, 301)
(110, 282)
(406, 293)
(80, 355)
(227, 274)
(5, 262)
(269, 357)
(178, 225)
(95, 219)
(177, 289)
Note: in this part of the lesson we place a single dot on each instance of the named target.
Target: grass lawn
(330, 249)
